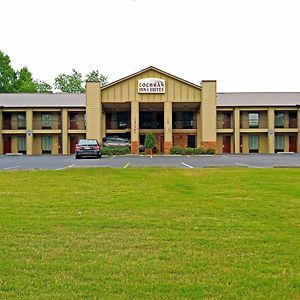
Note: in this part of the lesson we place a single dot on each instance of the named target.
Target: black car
(88, 147)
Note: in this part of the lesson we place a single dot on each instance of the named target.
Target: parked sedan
(88, 147)
(115, 142)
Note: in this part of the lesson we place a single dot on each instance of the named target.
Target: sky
(246, 45)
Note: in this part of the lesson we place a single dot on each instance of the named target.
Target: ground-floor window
(253, 143)
(22, 144)
(279, 143)
(191, 141)
(46, 144)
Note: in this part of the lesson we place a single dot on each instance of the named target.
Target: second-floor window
(253, 119)
(21, 117)
(279, 119)
(187, 119)
(47, 120)
(122, 119)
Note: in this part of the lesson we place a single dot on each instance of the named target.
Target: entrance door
(293, 143)
(73, 142)
(161, 143)
(226, 144)
(191, 141)
(6, 145)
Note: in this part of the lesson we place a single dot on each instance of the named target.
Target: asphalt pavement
(49, 162)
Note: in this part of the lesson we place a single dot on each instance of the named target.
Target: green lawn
(150, 233)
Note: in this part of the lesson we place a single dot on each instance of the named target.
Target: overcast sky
(246, 45)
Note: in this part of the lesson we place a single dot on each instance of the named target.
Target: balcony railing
(74, 124)
(13, 125)
(54, 125)
(151, 125)
(118, 124)
(184, 124)
(224, 124)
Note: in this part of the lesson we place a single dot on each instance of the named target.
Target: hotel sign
(151, 86)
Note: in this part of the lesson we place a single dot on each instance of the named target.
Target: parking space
(10, 163)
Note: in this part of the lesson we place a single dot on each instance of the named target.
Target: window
(146, 119)
(46, 144)
(253, 119)
(279, 143)
(253, 143)
(187, 119)
(22, 144)
(279, 119)
(122, 120)
(21, 120)
(46, 120)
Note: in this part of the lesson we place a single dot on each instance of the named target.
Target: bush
(191, 151)
(115, 151)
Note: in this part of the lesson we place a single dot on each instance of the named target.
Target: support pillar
(64, 131)
(168, 138)
(198, 128)
(93, 110)
(29, 131)
(1, 136)
(271, 133)
(103, 126)
(135, 130)
(237, 142)
(209, 114)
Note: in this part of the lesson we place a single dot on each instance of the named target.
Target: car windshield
(87, 142)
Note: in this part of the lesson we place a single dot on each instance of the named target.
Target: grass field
(150, 234)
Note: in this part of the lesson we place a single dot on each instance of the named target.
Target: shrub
(191, 151)
(115, 151)
(176, 150)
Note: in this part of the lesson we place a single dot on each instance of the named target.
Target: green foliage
(149, 140)
(24, 82)
(191, 151)
(12, 81)
(7, 75)
(96, 76)
(69, 83)
(115, 151)
(43, 87)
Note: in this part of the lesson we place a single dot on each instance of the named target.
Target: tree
(24, 82)
(69, 83)
(7, 75)
(73, 83)
(43, 87)
(149, 142)
(96, 76)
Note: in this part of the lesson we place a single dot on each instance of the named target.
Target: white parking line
(10, 168)
(112, 157)
(70, 166)
(151, 156)
(189, 166)
(249, 166)
(126, 166)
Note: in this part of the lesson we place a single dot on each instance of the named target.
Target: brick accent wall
(180, 140)
(208, 144)
(167, 147)
(135, 147)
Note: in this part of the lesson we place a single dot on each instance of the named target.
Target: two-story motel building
(178, 112)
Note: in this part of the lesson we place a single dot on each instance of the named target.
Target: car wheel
(77, 156)
(99, 155)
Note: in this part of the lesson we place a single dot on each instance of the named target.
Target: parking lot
(45, 162)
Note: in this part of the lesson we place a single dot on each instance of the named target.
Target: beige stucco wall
(208, 112)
